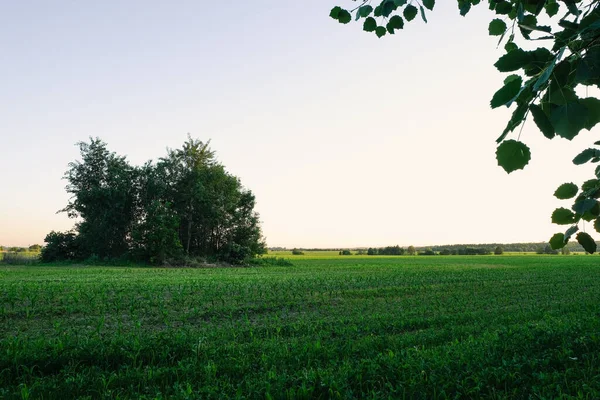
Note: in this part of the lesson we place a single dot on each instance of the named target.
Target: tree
(411, 251)
(186, 201)
(103, 195)
(35, 248)
(60, 246)
(498, 250)
(542, 85)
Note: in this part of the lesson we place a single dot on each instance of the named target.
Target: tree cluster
(386, 251)
(185, 204)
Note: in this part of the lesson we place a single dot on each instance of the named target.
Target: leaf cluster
(543, 82)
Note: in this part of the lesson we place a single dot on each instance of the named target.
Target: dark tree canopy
(185, 204)
(541, 84)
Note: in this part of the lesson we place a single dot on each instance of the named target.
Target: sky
(345, 139)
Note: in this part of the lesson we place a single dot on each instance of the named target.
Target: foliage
(185, 203)
(362, 327)
(60, 246)
(411, 251)
(345, 253)
(19, 258)
(271, 262)
(386, 251)
(498, 250)
(543, 82)
(297, 252)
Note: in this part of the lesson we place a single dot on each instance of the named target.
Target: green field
(328, 327)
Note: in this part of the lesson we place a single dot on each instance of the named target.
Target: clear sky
(345, 139)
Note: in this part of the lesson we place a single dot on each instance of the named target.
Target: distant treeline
(452, 249)
(33, 249)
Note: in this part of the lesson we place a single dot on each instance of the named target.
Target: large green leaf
(507, 93)
(542, 121)
(587, 242)
(497, 27)
(566, 191)
(380, 31)
(557, 241)
(512, 155)
(513, 60)
(597, 225)
(410, 12)
(569, 119)
(563, 216)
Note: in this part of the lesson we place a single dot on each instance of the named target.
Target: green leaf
(423, 16)
(557, 241)
(388, 6)
(503, 7)
(510, 46)
(513, 60)
(551, 8)
(365, 11)
(569, 119)
(585, 156)
(563, 216)
(429, 4)
(497, 27)
(597, 225)
(464, 6)
(515, 120)
(512, 155)
(335, 11)
(400, 3)
(344, 17)
(592, 213)
(581, 207)
(380, 31)
(570, 232)
(593, 106)
(395, 23)
(507, 93)
(370, 24)
(566, 191)
(410, 12)
(587, 242)
(542, 121)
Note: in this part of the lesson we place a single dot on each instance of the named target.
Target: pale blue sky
(346, 140)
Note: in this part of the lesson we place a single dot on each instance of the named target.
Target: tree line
(184, 205)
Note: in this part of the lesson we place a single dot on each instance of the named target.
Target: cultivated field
(328, 327)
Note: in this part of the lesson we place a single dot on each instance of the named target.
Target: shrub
(297, 252)
(60, 246)
(270, 262)
(498, 250)
(18, 258)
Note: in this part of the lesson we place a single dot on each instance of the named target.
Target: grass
(327, 327)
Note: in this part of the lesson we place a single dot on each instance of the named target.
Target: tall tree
(542, 83)
(103, 192)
